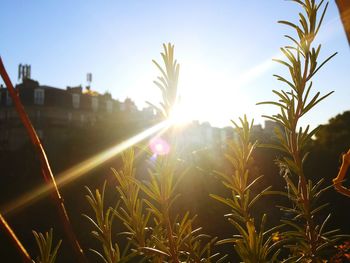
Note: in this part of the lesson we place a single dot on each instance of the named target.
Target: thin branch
(344, 10)
(337, 182)
(21, 249)
(45, 167)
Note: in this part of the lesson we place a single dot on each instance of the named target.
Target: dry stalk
(45, 167)
(344, 10)
(337, 182)
(21, 249)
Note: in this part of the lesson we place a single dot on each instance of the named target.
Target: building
(53, 110)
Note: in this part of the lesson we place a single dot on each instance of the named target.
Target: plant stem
(15, 240)
(337, 182)
(304, 198)
(167, 223)
(45, 167)
(344, 10)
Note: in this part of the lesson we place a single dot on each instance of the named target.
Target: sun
(215, 95)
(206, 95)
(181, 114)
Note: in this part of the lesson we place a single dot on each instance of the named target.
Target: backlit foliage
(253, 243)
(167, 82)
(307, 237)
(153, 231)
(143, 226)
(103, 232)
(47, 251)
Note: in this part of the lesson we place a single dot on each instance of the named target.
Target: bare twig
(45, 167)
(337, 182)
(344, 10)
(15, 240)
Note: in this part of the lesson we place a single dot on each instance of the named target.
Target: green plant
(45, 168)
(173, 239)
(307, 237)
(48, 253)
(167, 82)
(150, 237)
(153, 230)
(103, 228)
(131, 211)
(253, 243)
(16, 242)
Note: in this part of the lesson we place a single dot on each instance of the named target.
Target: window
(70, 116)
(76, 101)
(122, 106)
(39, 96)
(223, 136)
(109, 105)
(8, 99)
(94, 103)
(92, 120)
(38, 115)
(208, 134)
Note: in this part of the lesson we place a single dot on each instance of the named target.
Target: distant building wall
(53, 111)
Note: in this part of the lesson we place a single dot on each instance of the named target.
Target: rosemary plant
(151, 229)
(131, 211)
(103, 229)
(253, 244)
(173, 238)
(48, 253)
(307, 237)
(167, 82)
(152, 240)
(161, 190)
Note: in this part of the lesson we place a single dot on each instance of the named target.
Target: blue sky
(224, 49)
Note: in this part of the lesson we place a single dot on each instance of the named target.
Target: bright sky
(224, 48)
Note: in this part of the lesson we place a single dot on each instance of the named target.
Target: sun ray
(185, 112)
(83, 167)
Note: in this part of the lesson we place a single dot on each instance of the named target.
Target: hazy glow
(181, 114)
(207, 94)
(84, 167)
(198, 102)
(218, 96)
(211, 35)
(159, 146)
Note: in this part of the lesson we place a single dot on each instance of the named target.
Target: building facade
(53, 110)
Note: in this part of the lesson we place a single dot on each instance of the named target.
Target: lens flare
(89, 164)
(159, 146)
